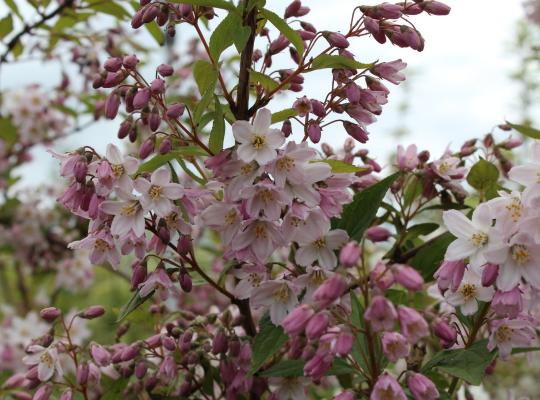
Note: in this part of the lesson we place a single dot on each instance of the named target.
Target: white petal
(458, 224)
(305, 256)
(113, 154)
(262, 121)
(242, 131)
(327, 259)
(470, 307)
(508, 277)
(459, 249)
(161, 176)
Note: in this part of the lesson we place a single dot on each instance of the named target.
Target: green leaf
(520, 350)
(229, 31)
(282, 115)
(225, 5)
(204, 102)
(360, 344)
(420, 229)
(14, 8)
(268, 342)
(205, 75)
(334, 61)
(135, 302)
(217, 135)
(468, 364)
(358, 215)
(111, 8)
(341, 167)
(483, 176)
(8, 131)
(264, 80)
(285, 368)
(162, 159)
(6, 26)
(285, 29)
(429, 258)
(525, 130)
(156, 32)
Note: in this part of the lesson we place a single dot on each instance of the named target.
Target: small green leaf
(358, 215)
(156, 32)
(204, 102)
(334, 61)
(229, 31)
(264, 80)
(420, 229)
(429, 258)
(14, 8)
(468, 364)
(284, 28)
(205, 75)
(341, 167)
(483, 176)
(285, 368)
(525, 130)
(217, 135)
(111, 8)
(8, 131)
(162, 159)
(135, 302)
(225, 5)
(6, 26)
(282, 115)
(268, 342)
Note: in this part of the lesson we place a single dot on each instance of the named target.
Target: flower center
(254, 279)
(260, 232)
(295, 222)
(281, 293)
(503, 334)
(258, 142)
(386, 394)
(47, 359)
(230, 217)
(468, 291)
(317, 277)
(130, 208)
(155, 191)
(479, 239)
(266, 195)
(172, 219)
(515, 209)
(285, 163)
(444, 167)
(246, 169)
(101, 245)
(520, 254)
(319, 243)
(117, 170)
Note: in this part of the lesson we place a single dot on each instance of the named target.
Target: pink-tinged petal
(459, 249)
(532, 274)
(327, 259)
(316, 172)
(508, 277)
(161, 176)
(262, 121)
(112, 207)
(162, 206)
(265, 155)
(275, 138)
(262, 249)
(131, 164)
(458, 224)
(97, 257)
(45, 372)
(246, 152)
(141, 185)
(525, 174)
(535, 151)
(277, 313)
(113, 154)
(121, 225)
(484, 293)
(306, 256)
(242, 131)
(482, 216)
(470, 307)
(335, 238)
(173, 191)
(454, 298)
(139, 225)
(496, 253)
(243, 290)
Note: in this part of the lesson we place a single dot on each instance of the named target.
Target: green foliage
(333, 61)
(282, 115)
(217, 135)
(483, 176)
(429, 258)
(285, 29)
(111, 8)
(340, 167)
(6, 26)
(267, 343)
(162, 159)
(205, 75)
(8, 131)
(291, 368)
(264, 80)
(358, 215)
(135, 302)
(468, 364)
(229, 31)
(525, 130)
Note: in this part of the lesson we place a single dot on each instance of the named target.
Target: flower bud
(317, 108)
(184, 244)
(153, 341)
(220, 343)
(330, 290)
(185, 282)
(169, 343)
(129, 353)
(137, 19)
(350, 254)
(346, 395)
(138, 275)
(49, 314)
(507, 304)
(377, 234)
(67, 395)
(408, 277)
(43, 393)
(286, 128)
(149, 14)
(113, 64)
(435, 7)
(101, 356)
(175, 110)
(343, 344)
(147, 147)
(356, 131)
(157, 86)
(130, 62)
(336, 39)
(154, 120)
(450, 275)
(395, 346)
(445, 332)
(165, 70)
(111, 105)
(421, 387)
(381, 314)
(92, 312)
(82, 374)
(295, 323)
(314, 131)
(413, 325)
(141, 99)
(490, 272)
(165, 146)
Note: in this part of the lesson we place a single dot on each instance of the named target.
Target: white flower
(473, 236)
(470, 290)
(257, 141)
(46, 359)
(278, 296)
(448, 168)
(128, 214)
(159, 191)
(508, 210)
(528, 174)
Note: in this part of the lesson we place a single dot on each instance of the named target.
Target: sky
(458, 87)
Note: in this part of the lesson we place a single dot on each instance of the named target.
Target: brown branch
(242, 111)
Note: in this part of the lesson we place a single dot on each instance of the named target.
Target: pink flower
(387, 387)
(395, 346)
(264, 197)
(46, 359)
(159, 191)
(413, 325)
(381, 314)
(390, 71)
(330, 290)
(422, 388)
(407, 160)
(450, 274)
(469, 292)
(158, 281)
(508, 333)
(128, 214)
(317, 243)
(448, 168)
(257, 142)
(102, 247)
(260, 237)
(407, 277)
(290, 164)
(350, 254)
(278, 296)
(508, 303)
(224, 218)
(250, 278)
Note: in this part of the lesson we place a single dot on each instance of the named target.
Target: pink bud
(101, 356)
(413, 325)
(336, 39)
(43, 393)
(184, 244)
(130, 62)
(169, 343)
(82, 374)
(382, 276)
(346, 395)
(150, 14)
(317, 325)
(154, 120)
(421, 387)
(318, 365)
(124, 129)
(153, 341)
(508, 304)
(129, 353)
(356, 131)
(408, 277)
(395, 346)
(286, 128)
(175, 111)
(490, 272)
(138, 275)
(450, 274)
(157, 86)
(295, 9)
(314, 131)
(330, 290)
(113, 64)
(67, 395)
(137, 19)
(381, 314)
(377, 233)
(295, 323)
(111, 105)
(141, 99)
(14, 381)
(435, 7)
(185, 282)
(350, 254)
(140, 370)
(220, 343)
(444, 331)
(343, 344)
(165, 146)
(165, 70)
(49, 314)
(317, 108)
(279, 44)
(92, 312)
(147, 147)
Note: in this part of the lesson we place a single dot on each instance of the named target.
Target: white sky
(459, 89)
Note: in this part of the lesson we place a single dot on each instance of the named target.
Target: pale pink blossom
(469, 292)
(46, 358)
(158, 193)
(318, 243)
(509, 333)
(128, 214)
(278, 296)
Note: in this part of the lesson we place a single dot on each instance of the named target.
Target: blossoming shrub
(258, 265)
